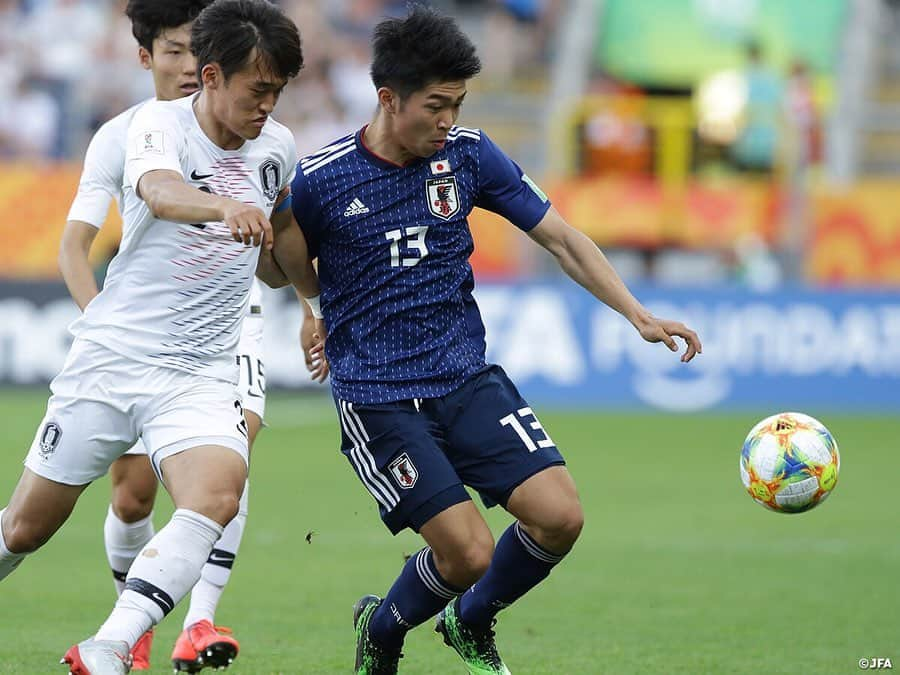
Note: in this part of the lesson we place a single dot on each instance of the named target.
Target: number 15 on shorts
(528, 417)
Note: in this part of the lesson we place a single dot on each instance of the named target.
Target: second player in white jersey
(170, 313)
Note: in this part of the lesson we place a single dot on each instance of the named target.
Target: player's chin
(251, 131)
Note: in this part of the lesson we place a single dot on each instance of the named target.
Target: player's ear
(388, 99)
(211, 76)
(145, 58)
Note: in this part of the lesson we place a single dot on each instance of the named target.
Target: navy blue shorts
(415, 456)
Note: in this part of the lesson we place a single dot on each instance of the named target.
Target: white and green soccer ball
(790, 462)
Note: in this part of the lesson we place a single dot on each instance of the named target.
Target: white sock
(217, 570)
(123, 543)
(161, 575)
(8, 560)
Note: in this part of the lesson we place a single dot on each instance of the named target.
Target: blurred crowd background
(751, 145)
(69, 65)
(690, 138)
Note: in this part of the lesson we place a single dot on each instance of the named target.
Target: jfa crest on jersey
(393, 245)
(443, 197)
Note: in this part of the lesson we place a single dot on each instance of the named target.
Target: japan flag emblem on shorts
(404, 471)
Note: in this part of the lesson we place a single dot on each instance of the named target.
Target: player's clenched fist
(247, 223)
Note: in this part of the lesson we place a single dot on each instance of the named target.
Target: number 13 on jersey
(407, 245)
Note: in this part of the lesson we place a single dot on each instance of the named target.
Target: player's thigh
(207, 479)
(196, 436)
(396, 452)
(37, 509)
(495, 440)
(90, 419)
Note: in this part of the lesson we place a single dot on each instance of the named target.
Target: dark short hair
(424, 47)
(149, 18)
(228, 31)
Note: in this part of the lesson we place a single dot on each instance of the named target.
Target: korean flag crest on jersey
(443, 196)
(270, 178)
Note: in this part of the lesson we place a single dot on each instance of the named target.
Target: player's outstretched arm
(76, 270)
(585, 263)
(170, 198)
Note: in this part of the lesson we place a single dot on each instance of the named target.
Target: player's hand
(665, 331)
(312, 341)
(248, 224)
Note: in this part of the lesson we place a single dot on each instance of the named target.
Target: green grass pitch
(677, 570)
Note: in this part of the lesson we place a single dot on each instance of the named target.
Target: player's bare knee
(570, 523)
(24, 536)
(559, 529)
(468, 563)
(129, 506)
(221, 507)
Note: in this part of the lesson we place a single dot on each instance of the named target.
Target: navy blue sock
(519, 564)
(418, 594)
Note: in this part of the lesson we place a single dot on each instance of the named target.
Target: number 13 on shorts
(528, 417)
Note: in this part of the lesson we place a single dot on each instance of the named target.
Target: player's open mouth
(259, 121)
(439, 143)
(189, 88)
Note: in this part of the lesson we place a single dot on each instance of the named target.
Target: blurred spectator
(30, 122)
(81, 54)
(803, 124)
(756, 145)
(516, 36)
(12, 60)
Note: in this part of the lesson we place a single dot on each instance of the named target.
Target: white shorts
(252, 384)
(103, 402)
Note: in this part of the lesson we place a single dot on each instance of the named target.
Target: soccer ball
(790, 462)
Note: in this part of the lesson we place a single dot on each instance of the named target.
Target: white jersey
(175, 294)
(102, 177)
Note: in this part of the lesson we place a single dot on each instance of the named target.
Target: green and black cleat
(371, 658)
(476, 648)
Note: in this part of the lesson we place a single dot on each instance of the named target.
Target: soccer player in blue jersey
(422, 413)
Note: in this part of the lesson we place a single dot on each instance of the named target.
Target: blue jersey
(393, 246)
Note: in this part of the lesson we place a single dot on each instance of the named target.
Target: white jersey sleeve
(155, 142)
(101, 177)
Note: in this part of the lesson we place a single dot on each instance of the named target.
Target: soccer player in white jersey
(162, 29)
(154, 352)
